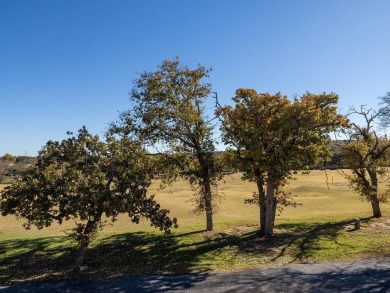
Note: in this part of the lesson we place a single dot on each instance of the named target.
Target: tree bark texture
(270, 206)
(206, 182)
(208, 206)
(376, 211)
(260, 188)
(89, 228)
(80, 257)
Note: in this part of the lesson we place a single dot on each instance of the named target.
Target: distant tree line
(11, 167)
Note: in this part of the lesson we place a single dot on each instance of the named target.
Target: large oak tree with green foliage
(367, 155)
(83, 178)
(271, 136)
(168, 112)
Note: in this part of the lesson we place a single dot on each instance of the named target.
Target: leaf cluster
(367, 154)
(168, 115)
(84, 178)
(271, 135)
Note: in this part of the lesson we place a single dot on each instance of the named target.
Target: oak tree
(367, 155)
(168, 113)
(84, 179)
(271, 136)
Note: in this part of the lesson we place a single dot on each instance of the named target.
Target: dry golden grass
(311, 191)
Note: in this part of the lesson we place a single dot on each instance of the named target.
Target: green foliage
(168, 113)
(271, 136)
(84, 178)
(266, 129)
(8, 157)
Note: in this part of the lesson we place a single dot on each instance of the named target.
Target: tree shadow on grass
(306, 238)
(361, 276)
(138, 253)
(29, 259)
(143, 253)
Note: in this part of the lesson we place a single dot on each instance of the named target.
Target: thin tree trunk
(274, 213)
(269, 207)
(260, 188)
(376, 211)
(209, 221)
(208, 202)
(208, 207)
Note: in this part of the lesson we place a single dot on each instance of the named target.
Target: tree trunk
(270, 205)
(89, 229)
(273, 213)
(80, 257)
(376, 211)
(260, 188)
(208, 202)
(209, 220)
(208, 206)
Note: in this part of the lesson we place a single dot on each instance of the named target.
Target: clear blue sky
(64, 64)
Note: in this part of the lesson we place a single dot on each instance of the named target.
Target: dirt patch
(382, 224)
(245, 228)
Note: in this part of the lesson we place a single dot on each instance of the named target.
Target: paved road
(372, 275)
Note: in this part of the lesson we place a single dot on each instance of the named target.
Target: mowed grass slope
(321, 229)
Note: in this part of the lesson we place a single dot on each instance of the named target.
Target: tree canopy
(84, 178)
(8, 157)
(168, 113)
(367, 155)
(271, 136)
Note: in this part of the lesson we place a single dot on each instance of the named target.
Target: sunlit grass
(321, 229)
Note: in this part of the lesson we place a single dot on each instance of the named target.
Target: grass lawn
(321, 229)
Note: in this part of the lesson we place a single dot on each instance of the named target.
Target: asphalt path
(370, 275)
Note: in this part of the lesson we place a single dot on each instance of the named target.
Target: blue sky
(64, 64)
